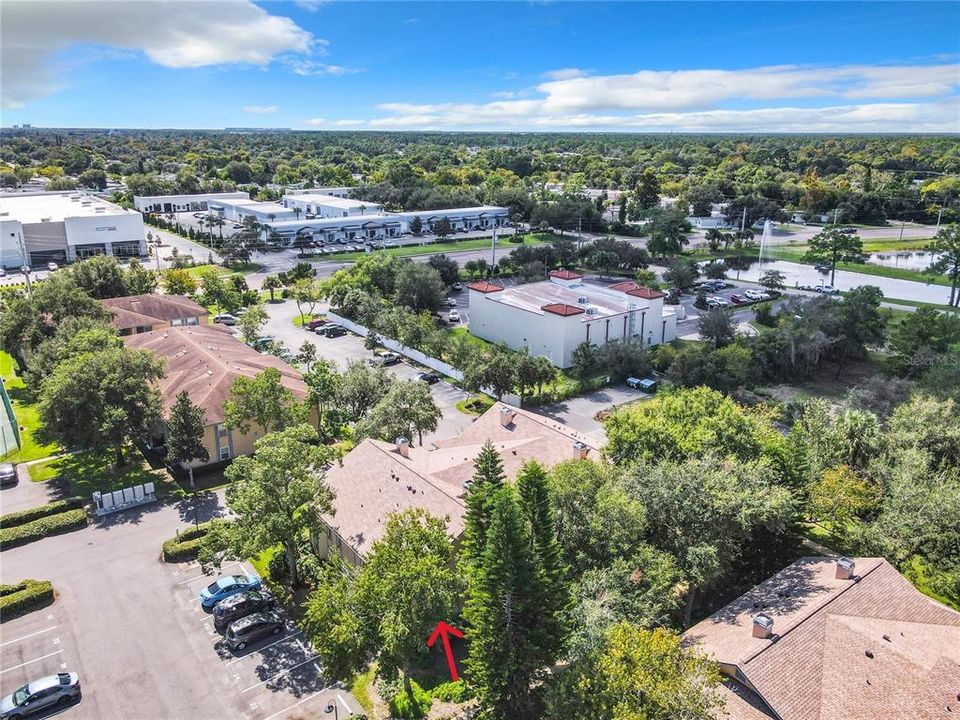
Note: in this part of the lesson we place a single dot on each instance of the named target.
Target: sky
(527, 66)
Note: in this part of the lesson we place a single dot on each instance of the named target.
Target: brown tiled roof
(147, 310)
(565, 274)
(863, 648)
(374, 480)
(485, 287)
(646, 293)
(204, 360)
(624, 286)
(562, 309)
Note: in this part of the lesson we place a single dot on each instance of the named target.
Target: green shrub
(185, 545)
(455, 692)
(50, 525)
(23, 597)
(406, 706)
(24, 516)
(278, 568)
(765, 314)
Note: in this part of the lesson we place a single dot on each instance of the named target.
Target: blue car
(224, 587)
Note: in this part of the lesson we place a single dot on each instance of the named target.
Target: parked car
(51, 266)
(453, 316)
(848, 230)
(332, 331)
(40, 695)
(225, 319)
(739, 299)
(241, 605)
(8, 475)
(451, 302)
(317, 322)
(755, 294)
(384, 357)
(3, 273)
(717, 302)
(429, 377)
(262, 343)
(810, 288)
(827, 289)
(251, 628)
(225, 586)
(822, 267)
(389, 244)
(457, 287)
(237, 226)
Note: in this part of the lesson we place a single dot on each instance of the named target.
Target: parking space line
(198, 577)
(43, 657)
(275, 642)
(280, 674)
(38, 632)
(301, 702)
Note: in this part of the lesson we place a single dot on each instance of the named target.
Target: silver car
(60, 690)
(8, 474)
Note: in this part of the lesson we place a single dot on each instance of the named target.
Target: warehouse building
(238, 209)
(317, 205)
(37, 228)
(553, 317)
(183, 203)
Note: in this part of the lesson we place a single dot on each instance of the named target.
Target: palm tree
(272, 283)
(297, 210)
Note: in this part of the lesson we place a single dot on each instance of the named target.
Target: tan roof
(868, 647)
(204, 360)
(375, 480)
(148, 310)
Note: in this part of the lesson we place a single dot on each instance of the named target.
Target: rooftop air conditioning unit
(582, 300)
(591, 311)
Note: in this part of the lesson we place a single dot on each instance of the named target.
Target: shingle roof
(147, 310)
(204, 360)
(864, 648)
(485, 287)
(562, 309)
(375, 480)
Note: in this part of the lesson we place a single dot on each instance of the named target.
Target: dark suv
(251, 628)
(332, 331)
(240, 605)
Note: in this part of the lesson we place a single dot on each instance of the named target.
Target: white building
(340, 192)
(551, 318)
(317, 205)
(707, 222)
(237, 210)
(183, 203)
(42, 227)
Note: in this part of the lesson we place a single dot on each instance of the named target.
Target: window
(223, 442)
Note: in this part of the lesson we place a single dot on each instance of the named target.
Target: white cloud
(565, 74)
(308, 67)
(261, 109)
(324, 123)
(174, 34)
(310, 5)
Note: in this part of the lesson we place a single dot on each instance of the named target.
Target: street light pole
(332, 708)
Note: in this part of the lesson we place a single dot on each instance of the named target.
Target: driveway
(26, 494)
(580, 412)
(125, 621)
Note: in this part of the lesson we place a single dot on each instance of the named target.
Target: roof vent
(403, 446)
(580, 450)
(845, 568)
(582, 300)
(762, 626)
(506, 416)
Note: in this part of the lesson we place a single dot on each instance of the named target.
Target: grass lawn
(360, 685)
(261, 563)
(475, 405)
(244, 269)
(448, 247)
(301, 320)
(28, 417)
(915, 303)
(480, 343)
(87, 472)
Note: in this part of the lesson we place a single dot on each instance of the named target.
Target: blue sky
(683, 66)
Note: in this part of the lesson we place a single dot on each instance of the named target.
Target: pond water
(918, 260)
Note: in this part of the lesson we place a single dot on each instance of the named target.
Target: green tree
(668, 232)
(716, 270)
(584, 361)
(262, 400)
(100, 277)
(488, 476)
(306, 354)
(216, 291)
(74, 336)
(946, 247)
(251, 323)
(99, 400)
(637, 674)
(361, 387)
(442, 228)
(646, 193)
(840, 496)
(306, 294)
(419, 287)
(406, 409)
(278, 495)
(681, 273)
(178, 281)
(271, 283)
(323, 380)
(448, 268)
(773, 280)
(139, 280)
(186, 425)
(716, 326)
(832, 246)
(416, 225)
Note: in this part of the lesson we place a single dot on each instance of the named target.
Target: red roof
(647, 293)
(565, 274)
(624, 286)
(562, 309)
(484, 286)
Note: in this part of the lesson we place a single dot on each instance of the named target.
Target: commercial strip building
(318, 205)
(551, 318)
(377, 479)
(184, 203)
(832, 639)
(135, 314)
(204, 360)
(41, 227)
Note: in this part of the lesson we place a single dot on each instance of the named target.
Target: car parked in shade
(8, 475)
(226, 586)
(241, 605)
(225, 319)
(251, 628)
(453, 316)
(332, 331)
(429, 377)
(41, 695)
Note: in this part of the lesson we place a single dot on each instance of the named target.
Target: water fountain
(767, 235)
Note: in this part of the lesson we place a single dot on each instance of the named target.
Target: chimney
(580, 450)
(762, 626)
(403, 447)
(845, 568)
(507, 414)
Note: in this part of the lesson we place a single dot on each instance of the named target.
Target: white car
(716, 302)
(454, 316)
(51, 266)
(451, 302)
(826, 289)
(756, 295)
(3, 273)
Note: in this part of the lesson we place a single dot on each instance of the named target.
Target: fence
(9, 430)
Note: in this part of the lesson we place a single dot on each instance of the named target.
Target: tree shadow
(200, 507)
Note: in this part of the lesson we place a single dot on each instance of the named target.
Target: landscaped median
(26, 595)
(185, 545)
(20, 528)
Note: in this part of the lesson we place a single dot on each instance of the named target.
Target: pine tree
(185, 429)
(553, 598)
(501, 611)
(488, 476)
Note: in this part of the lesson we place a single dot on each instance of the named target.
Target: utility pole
(493, 250)
(902, 223)
(743, 220)
(939, 215)
(25, 268)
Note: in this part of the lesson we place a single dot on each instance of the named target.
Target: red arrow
(443, 630)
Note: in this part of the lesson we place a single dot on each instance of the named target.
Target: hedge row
(24, 516)
(23, 597)
(50, 525)
(186, 545)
